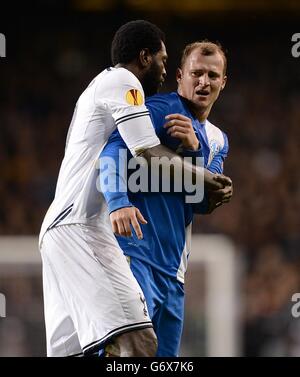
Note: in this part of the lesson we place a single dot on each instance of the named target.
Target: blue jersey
(165, 243)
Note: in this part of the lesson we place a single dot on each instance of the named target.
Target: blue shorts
(165, 301)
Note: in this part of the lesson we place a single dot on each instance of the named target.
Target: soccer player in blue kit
(158, 249)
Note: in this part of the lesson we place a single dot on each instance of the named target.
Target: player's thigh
(61, 336)
(169, 321)
(100, 292)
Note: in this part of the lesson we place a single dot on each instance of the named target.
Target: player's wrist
(193, 147)
(118, 203)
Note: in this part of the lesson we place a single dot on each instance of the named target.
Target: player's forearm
(180, 164)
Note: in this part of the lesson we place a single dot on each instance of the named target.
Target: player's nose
(204, 80)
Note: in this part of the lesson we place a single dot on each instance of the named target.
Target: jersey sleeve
(217, 164)
(123, 94)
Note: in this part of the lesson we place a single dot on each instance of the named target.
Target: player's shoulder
(164, 103)
(118, 85)
(163, 98)
(113, 80)
(120, 76)
(215, 135)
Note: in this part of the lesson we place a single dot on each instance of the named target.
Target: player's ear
(178, 75)
(224, 82)
(145, 57)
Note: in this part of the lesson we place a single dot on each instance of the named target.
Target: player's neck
(200, 114)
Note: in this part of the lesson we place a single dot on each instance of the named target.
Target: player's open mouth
(202, 92)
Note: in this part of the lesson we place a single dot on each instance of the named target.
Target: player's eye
(213, 75)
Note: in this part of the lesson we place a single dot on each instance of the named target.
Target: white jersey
(115, 98)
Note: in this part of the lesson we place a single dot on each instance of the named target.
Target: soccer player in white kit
(91, 299)
(90, 294)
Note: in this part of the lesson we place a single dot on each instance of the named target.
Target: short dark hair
(207, 48)
(132, 37)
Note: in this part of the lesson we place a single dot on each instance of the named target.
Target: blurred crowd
(259, 110)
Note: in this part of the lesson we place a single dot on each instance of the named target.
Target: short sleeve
(123, 94)
(217, 164)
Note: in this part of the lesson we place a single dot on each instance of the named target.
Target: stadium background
(54, 48)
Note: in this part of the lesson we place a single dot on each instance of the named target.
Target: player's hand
(122, 218)
(218, 197)
(224, 180)
(181, 127)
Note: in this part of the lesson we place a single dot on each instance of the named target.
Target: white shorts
(90, 294)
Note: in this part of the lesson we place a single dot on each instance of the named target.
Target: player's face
(201, 79)
(156, 73)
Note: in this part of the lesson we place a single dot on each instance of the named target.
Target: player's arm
(180, 166)
(181, 127)
(113, 183)
(126, 101)
(215, 198)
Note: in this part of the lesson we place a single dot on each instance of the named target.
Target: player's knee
(138, 343)
(148, 343)
(143, 343)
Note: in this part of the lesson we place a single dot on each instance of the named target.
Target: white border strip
(217, 252)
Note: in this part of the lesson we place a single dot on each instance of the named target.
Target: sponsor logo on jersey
(134, 97)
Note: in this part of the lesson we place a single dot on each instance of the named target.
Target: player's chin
(202, 102)
(203, 98)
(159, 85)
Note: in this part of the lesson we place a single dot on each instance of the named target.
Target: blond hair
(207, 48)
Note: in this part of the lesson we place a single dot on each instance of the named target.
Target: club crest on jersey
(142, 298)
(214, 147)
(134, 97)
